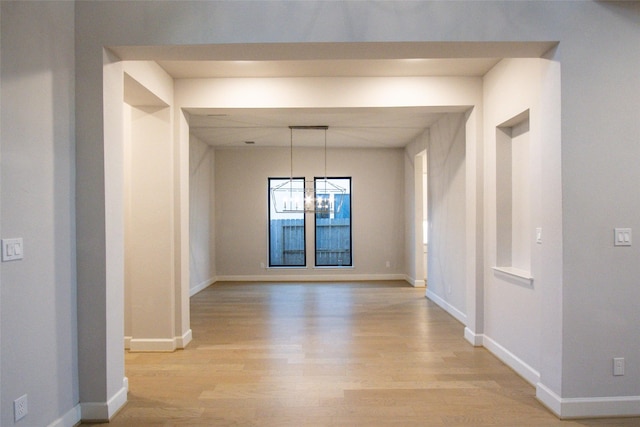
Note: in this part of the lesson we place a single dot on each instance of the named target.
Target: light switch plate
(622, 237)
(618, 366)
(12, 249)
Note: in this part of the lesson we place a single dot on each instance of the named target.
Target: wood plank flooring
(328, 354)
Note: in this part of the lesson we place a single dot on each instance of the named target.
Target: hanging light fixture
(320, 196)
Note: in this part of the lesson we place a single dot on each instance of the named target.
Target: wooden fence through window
(333, 242)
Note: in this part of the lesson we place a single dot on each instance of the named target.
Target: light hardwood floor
(328, 354)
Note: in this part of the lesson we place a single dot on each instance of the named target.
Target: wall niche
(513, 198)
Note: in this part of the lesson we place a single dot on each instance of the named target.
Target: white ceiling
(348, 127)
(352, 127)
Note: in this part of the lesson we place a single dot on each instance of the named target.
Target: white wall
(592, 292)
(598, 123)
(128, 223)
(600, 129)
(448, 214)
(413, 236)
(153, 172)
(241, 210)
(38, 296)
(442, 93)
(513, 306)
(201, 215)
(151, 251)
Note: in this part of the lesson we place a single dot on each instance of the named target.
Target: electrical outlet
(20, 408)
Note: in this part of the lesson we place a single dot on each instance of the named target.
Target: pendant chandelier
(319, 196)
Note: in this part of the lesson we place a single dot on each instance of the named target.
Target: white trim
(415, 282)
(127, 343)
(159, 344)
(588, 407)
(70, 419)
(548, 398)
(460, 316)
(515, 273)
(103, 411)
(309, 277)
(473, 338)
(152, 344)
(523, 369)
(184, 340)
(201, 286)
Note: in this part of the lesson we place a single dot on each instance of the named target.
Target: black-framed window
(333, 228)
(287, 246)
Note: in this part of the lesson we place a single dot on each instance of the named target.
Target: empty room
(319, 213)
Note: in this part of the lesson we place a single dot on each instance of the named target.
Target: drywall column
(524, 309)
(150, 254)
(157, 240)
(413, 218)
(474, 170)
(450, 200)
(126, 117)
(100, 236)
(182, 330)
(38, 293)
(201, 215)
(425, 215)
(418, 218)
(551, 257)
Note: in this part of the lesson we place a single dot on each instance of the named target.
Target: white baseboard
(127, 343)
(158, 344)
(548, 398)
(565, 408)
(416, 283)
(70, 419)
(523, 369)
(460, 316)
(341, 277)
(588, 407)
(473, 338)
(184, 340)
(152, 344)
(104, 411)
(201, 286)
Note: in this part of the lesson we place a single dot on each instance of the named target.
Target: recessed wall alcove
(513, 198)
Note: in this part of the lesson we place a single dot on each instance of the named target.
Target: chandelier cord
(324, 199)
(291, 153)
(325, 155)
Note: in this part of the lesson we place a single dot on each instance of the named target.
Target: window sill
(316, 267)
(521, 275)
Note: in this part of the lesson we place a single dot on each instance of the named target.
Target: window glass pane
(286, 228)
(333, 226)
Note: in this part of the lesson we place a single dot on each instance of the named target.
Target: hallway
(328, 354)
